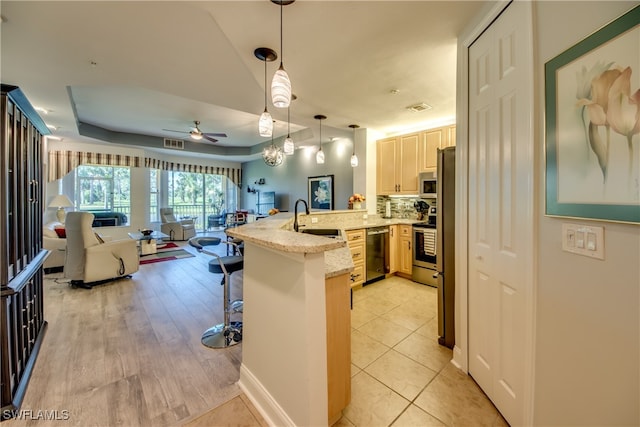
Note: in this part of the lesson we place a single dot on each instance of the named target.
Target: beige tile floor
(400, 375)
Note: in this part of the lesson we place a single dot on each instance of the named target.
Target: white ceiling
(106, 70)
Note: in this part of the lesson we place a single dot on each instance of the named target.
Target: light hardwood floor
(128, 352)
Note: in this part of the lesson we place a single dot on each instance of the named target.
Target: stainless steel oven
(424, 254)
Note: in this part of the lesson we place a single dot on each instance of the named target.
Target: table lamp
(60, 201)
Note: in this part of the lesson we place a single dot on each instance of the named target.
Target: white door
(501, 209)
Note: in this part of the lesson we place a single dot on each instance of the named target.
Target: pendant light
(289, 147)
(281, 84)
(272, 155)
(320, 153)
(265, 124)
(354, 158)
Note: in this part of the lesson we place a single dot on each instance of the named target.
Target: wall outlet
(583, 240)
(314, 220)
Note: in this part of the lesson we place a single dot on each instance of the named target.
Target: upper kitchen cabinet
(430, 141)
(398, 162)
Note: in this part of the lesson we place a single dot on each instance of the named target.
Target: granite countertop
(276, 232)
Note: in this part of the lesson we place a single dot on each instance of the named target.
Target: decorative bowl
(146, 232)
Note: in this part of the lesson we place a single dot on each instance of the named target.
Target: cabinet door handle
(357, 255)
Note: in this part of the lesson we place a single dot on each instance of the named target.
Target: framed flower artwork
(321, 192)
(592, 97)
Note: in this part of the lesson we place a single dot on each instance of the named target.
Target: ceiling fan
(197, 134)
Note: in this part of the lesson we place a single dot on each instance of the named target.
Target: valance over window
(235, 175)
(63, 162)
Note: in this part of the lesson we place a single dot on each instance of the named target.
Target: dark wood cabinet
(22, 324)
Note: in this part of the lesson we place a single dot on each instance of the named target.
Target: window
(199, 195)
(104, 189)
(154, 187)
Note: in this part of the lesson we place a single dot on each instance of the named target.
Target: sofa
(55, 242)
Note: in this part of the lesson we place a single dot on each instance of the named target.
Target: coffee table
(148, 244)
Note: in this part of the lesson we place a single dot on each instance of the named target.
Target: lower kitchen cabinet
(356, 241)
(394, 235)
(405, 254)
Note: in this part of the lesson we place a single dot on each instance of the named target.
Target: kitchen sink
(333, 233)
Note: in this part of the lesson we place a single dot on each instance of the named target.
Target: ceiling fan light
(320, 157)
(195, 135)
(281, 88)
(265, 125)
(289, 146)
(354, 161)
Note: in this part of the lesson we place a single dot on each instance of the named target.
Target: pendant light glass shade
(265, 125)
(272, 155)
(289, 146)
(281, 84)
(320, 153)
(354, 158)
(281, 88)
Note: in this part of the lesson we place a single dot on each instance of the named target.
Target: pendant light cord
(281, 51)
(265, 84)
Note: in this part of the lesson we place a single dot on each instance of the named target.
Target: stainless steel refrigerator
(445, 244)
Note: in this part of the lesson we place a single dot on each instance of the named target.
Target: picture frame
(592, 168)
(320, 190)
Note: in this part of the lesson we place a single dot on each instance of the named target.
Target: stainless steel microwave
(427, 183)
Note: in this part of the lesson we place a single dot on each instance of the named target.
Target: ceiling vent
(419, 107)
(175, 144)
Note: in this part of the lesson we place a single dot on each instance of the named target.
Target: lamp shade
(60, 201)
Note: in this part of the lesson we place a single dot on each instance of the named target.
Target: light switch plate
(584, 240)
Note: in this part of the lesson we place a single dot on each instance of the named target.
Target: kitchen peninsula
(296, 355)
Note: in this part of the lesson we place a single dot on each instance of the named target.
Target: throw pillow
(61, 232)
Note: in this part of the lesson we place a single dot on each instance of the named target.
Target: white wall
(587, 316)
(289, 180)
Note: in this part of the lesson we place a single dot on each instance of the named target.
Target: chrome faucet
(295, 209)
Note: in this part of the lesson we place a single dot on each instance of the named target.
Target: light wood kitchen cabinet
(405, 247)
(397, 164)
(356, 242)
(393, 248)
(430, 141)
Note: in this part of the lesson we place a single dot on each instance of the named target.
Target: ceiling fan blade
(208, 138)
(171, 130)
(219, 135)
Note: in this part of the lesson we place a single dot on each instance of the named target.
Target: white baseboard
(458, 359)
(272, 413)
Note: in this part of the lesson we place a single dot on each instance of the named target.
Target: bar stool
(227, 333)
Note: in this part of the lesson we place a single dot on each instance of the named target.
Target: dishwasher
(377, 253)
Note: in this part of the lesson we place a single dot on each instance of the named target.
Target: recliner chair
(176, 229)
(89, 260)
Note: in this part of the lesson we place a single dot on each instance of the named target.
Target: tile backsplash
(401, 207)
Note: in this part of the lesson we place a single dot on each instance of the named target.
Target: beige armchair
(89, 259)
(176, 229)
